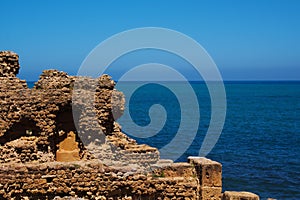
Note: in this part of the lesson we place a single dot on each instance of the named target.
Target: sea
(259, 146)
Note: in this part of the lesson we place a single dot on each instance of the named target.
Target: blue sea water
(259, 147)
(30, 84)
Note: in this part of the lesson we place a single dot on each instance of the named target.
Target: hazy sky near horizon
(248, 40)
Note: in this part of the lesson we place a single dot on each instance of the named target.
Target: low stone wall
(92, 180)
(198, 180)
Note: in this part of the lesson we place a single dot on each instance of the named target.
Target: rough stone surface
(9, 64)
(93, 180)
(210, 193)
(209, 174)
(232, 195)
(68, 149)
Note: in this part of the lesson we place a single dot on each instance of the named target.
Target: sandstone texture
(209, 174)
(9, 64)
(93, 180)
(232, 195)
(68, 149)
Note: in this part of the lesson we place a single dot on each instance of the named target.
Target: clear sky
(248, 39)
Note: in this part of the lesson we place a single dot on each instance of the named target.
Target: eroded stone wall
(49, 112)
(93, 180)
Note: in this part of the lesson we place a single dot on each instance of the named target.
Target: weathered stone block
(68, 149)
(231, 195)
(209, 172)
(210, 193)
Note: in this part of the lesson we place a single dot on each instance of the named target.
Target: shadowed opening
(25, 127)
(65, 124)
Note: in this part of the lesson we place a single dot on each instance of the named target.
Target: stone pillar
(209, 174)
(229, 195)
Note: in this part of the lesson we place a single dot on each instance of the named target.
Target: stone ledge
(233, 195)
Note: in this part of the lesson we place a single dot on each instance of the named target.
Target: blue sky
(248, 40)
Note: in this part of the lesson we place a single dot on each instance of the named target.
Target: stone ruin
(43, 156)
(35, 123)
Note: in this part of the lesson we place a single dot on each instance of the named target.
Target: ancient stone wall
(196, 180)
(92, 180)
(47, 113)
